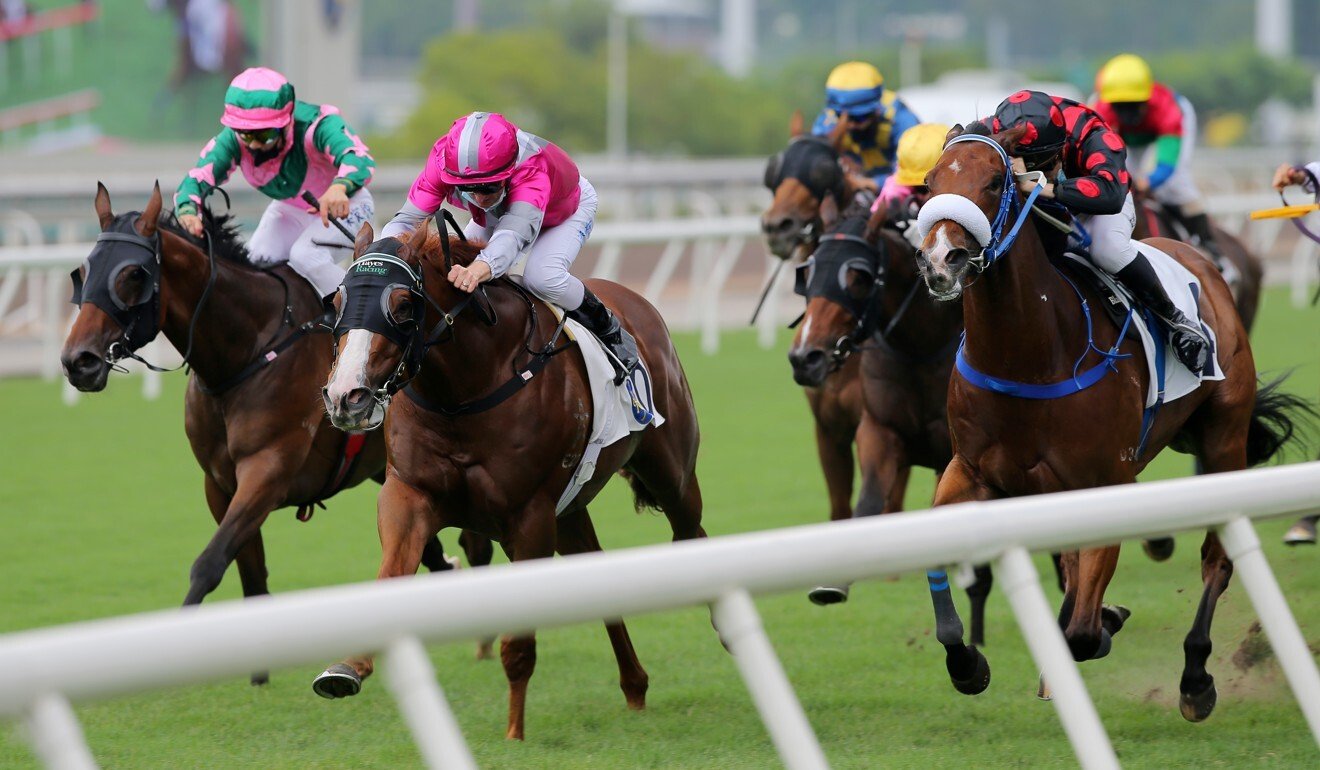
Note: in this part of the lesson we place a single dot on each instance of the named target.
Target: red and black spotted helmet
(1047, 132)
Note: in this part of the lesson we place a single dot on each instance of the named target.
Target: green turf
(103, 515)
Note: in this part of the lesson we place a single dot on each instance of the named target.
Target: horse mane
(462, 251)
(223, 229)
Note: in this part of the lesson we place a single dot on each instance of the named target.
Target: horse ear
(1009, 139)
(829, 212)
(364, 238)
(879, 215)
(796, 125)
(103, 206)
(957, 130)
(151, 214)
(416, 242)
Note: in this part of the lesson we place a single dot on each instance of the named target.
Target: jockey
(1149, 114)
(1085, 167)
(525, 196)
(876, 119)
(904, 193)
(285, 147)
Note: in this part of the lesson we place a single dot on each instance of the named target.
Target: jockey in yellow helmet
(877, 118)
(1150, 115)
(904, 192)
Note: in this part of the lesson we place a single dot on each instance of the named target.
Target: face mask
(471, 199)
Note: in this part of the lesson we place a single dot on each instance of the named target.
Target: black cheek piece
(116, 251)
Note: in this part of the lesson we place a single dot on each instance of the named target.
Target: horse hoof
(1113, 616)
(1195, 708)
(338, 681)
(827, 595)
(1158, 549)
(259, 678)
(1043, 691)
(978, 681)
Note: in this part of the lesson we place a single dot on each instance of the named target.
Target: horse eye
(860, 283)
(402, 311)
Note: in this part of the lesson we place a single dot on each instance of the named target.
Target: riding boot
(1189, 342)
(598, 319)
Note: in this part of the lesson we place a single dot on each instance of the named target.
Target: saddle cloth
(1184, 290)
(616, 410)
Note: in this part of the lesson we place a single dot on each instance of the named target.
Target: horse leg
(1085, 627)
(968, 669)
(577, 535)
(405, 521)
(836, 460)
(479, 552)
(882, 455)
(261, 486)
(532, 538)
(251, 557)
(1197, 687)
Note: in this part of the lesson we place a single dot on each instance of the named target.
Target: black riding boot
(622, 348)
(1188, 341)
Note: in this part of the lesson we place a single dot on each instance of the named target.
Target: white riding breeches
(553, 250)
(1112, 247)
(288, 233)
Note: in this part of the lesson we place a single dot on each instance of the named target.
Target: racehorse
(1156, 221)
(863, 296)
(251, 413)
(482, 441)
(1024, 332)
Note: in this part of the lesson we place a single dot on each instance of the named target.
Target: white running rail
(50, 668)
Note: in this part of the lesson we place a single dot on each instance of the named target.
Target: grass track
(102, 514)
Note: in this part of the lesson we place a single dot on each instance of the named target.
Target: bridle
(994, 242)
(811, 281)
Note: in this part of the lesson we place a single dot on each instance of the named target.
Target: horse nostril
(775, 226)
(957, 256)
(84, 362)
(356, 397)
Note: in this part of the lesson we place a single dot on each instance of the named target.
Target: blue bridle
(1000, 243)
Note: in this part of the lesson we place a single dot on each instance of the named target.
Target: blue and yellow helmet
(854, 87)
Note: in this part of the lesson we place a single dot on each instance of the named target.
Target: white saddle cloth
(1183, 289)
(616, 410)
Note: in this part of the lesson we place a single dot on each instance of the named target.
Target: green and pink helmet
(258, 98)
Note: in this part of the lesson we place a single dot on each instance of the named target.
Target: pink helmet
(258, 98)
(479, 148)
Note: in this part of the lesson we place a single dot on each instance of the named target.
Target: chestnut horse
(1155, 221)
(250, 337)
(1025, 328)
(484, 442)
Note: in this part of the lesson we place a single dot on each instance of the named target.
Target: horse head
(118, 290)
(391, 309)
(972, 191)
(380, 314)
(809, 186)
(841, 282)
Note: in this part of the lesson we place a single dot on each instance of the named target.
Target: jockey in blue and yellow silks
(876, 118)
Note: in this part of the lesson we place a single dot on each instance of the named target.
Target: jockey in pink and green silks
(284, 148)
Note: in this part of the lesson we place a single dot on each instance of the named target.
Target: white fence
(48, 668)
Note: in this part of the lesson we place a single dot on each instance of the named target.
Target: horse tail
(1276, 417)
(642, 497)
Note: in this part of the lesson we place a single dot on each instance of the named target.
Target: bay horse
(1156, 221)
(1025, 329)
(862, 293)
(483, 442)
(250, 337)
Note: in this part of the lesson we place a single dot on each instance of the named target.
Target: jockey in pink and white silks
(525, 195)
(284, 148)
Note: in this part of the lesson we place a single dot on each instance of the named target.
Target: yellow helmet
(854, 87)
(1124, 78)
(919, 149)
